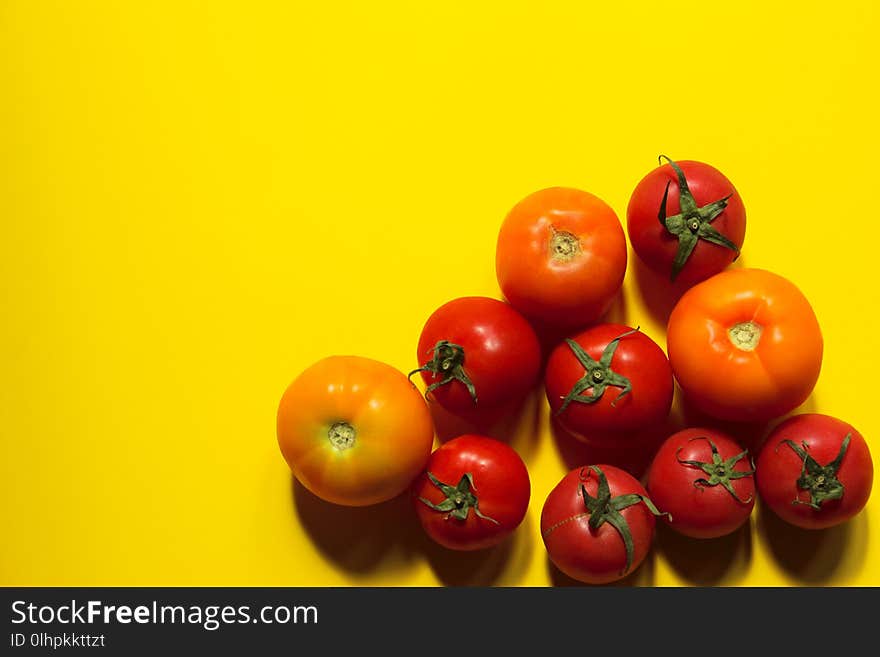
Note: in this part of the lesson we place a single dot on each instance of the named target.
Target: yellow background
(199, 199)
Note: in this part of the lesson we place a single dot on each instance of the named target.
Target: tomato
(598, 524)
(815, 471)
(477, 351)
(354, 431)
(473, 494)
(609, 379)
(561, 257)
(686, 221)
(705, 481)
(745, 345)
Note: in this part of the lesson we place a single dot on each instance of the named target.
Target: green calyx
(604, 508)
(720, 471)
(447, 364)
(459, 500)
(693, 223)
(597, 375)
(820, 480)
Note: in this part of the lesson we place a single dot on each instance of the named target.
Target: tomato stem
(692, 223)
(597, 375)
(341, 435)
(459, 500)
(820, 480)
(447, 363)
(720, 471)
(605, 508)
(745, 335)
(564, 246)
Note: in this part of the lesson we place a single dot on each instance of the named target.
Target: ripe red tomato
(473, 494)
(705, 481)
(477, 351)
(598, 524)
(686, 221)
(608, 382)
(745, 345)
(561, 257)
(815, 471)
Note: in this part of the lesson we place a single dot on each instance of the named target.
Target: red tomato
(686, 221)
(477, 351)
(705, 481)
(561, 257)
(815, 471)
(473, 494)
(610, 379)
(598, 524)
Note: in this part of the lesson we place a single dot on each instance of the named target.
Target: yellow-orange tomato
(745, 345)
(354, 431)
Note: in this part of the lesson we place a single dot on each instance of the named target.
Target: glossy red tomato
(476, 351)
(473, 494)
(561, 257)
(686, 221)
(815, 471)
(610, 379)
(705, 480)
(598, 524)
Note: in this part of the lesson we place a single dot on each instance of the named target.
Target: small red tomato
(473, 494)
(561, 257)
(705, 481)
(479, 352)
(815, 471)
(598, 524)
(610, 379)
(686, 221)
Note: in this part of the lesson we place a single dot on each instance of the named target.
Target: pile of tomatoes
(743, 345)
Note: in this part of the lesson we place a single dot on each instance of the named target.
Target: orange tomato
(745, 345)
(354, 431)
(561, 257)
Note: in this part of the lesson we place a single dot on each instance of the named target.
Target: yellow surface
(198, 199)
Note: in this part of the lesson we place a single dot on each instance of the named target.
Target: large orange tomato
(561, 257)
(745, 345)
(354, 431)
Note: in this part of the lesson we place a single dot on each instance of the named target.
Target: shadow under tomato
(644, 575)
(502, 565)
(634, 457)
(721, 561)
(658, 292)
(816, 556)
(378, 538)
(617, 311)
(517, 423)
(747, 434)
(549, 336)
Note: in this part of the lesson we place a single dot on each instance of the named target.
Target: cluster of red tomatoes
(743, 344)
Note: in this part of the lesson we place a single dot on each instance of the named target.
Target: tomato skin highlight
(587, 555)
(501, 485)
(779, 468)
(502, 355)
(561, 257)
(611, 421)
(656, 246)
(699, 511)
(778, 364)
(353, 430)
